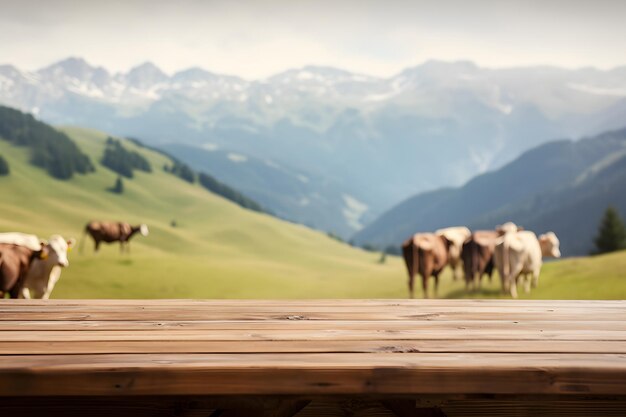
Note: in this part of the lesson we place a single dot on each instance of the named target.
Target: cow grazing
(521, 253)
(477, 256)
(455, 236)
(29, 269)
(45, 271)
(114, 232)
(425, 254)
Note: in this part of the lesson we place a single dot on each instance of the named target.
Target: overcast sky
(255, 39)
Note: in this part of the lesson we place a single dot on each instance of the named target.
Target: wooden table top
(315, 347)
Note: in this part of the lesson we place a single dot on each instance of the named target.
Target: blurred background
(283, 149)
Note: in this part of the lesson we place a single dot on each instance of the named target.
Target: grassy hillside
(597, 277)
(290, 193)
(219, 250)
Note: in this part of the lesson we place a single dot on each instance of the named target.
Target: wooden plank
(187, 315)
(311, 346)
(251, 335)
(299, 374)
(305, 308)
(215, 325)
(363, 310)
(363, 406)
(320, 302)
(338, 305)
(423, 310)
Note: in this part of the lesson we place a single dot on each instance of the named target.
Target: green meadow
(219, 250)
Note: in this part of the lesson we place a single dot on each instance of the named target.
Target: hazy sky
(255, 39)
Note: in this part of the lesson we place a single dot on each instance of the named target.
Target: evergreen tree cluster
(225, 191)
(50, 149)
(4, 166)
(611, 233)
(181, 170)
(177, 167)
(122, 161)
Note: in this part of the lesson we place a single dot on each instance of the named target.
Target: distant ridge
(563, 186)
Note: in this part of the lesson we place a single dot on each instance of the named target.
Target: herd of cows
(516, 254)
(30, 267)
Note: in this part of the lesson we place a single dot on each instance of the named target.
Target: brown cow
(15, 261)
(425, 254)
(113, 232)
(477, 255)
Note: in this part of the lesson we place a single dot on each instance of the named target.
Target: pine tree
(118, 188)
(611, 233)
(4, 166)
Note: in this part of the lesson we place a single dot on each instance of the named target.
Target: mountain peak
(147, 68)
(193, 74)
(146, 75)
(74, 67)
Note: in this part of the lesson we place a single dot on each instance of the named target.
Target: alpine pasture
(219, 250)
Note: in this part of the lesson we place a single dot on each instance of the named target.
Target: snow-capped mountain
(378, 139)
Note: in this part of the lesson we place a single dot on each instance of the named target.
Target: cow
(44, 272)
(15, 260)
(425, 254)
(113, 232)
(477, 253)
(520, 253)
(455, 236)
(30, 267)
(477, 256)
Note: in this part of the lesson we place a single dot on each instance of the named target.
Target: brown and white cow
(456, 236)
(425, 254)
(45, 271)
(109, 232)
(521, 253)
(31, 267)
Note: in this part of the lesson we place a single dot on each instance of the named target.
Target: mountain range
(562, 186)
(364, 142)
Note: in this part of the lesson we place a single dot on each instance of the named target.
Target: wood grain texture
(121, 348)
(362, 406)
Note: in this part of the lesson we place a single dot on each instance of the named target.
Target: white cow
(455, 236)
(521, 253)
(43, 272)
